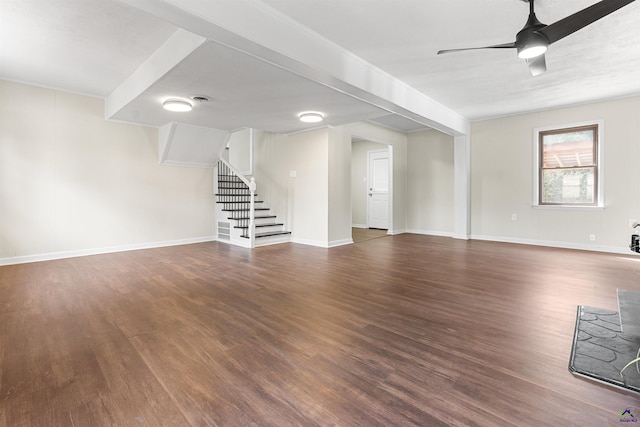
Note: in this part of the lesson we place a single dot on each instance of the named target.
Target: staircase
(242, 219)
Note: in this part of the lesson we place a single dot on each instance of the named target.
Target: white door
(378, 195)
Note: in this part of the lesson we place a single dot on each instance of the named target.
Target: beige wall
(72, 182)
(430, 183)
(239, 151)
(301, 202)
(502, 179)
(339, 173)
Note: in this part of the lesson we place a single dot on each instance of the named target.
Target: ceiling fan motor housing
(529, 41)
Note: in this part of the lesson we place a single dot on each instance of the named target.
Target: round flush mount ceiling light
(177, 105)
(311, 117)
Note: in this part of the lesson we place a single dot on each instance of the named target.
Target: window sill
(568, 208)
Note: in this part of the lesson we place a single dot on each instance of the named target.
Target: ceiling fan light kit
(532, 45)
(531, 51)
(534, 39)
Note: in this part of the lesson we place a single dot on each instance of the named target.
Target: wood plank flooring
(402, 330)
(363, 234)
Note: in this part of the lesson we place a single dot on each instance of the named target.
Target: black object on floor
(600, 349)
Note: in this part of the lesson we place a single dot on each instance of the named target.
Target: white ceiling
(84, 46)
(95, 47)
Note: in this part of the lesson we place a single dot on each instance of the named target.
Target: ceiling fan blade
(497, 46)
(537, 65)
(581, 19)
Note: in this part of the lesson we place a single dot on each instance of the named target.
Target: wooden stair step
(255, 217)
(269, 234)
(273, 224)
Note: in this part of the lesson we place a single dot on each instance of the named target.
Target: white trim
(99, 251)
(551, 109)
(239, 242)
(322, 244)
(317, 243)
(430, 232)
(396, 232)
(391, 196)
(261, 242)
(536, 159)
(554, 244)
(251, 144)
(358, 225)
(569, 208)
(389, 152)
(461, 186)
(342, 242)
(58, 89)
(174, 50)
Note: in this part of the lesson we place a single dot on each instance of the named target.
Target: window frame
(598, 164)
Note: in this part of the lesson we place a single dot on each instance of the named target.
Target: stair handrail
(251, 183)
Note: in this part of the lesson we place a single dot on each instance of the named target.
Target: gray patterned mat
(600, 349)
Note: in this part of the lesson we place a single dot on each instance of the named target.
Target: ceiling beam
(170, 54)
(258, 30)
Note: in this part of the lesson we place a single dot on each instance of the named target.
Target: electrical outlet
(514, 217)
(592, 237)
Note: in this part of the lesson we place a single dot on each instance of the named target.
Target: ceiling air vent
(200, 98)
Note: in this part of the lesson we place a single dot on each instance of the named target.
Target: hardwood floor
(404, 330)
(362, 234)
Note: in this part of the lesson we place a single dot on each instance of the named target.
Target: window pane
(568, 186)
(569, 149)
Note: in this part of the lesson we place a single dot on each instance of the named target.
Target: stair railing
(225, 168)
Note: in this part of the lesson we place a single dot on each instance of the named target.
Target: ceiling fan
(535, 37)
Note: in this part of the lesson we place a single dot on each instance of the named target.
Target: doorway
(363, 234)
(378, 184)
(371, 176)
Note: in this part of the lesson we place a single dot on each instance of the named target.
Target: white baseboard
(553, 244)
(394, 232)
(317, 243)
(322, 244)
(342, 242)
(430, 232)
(549, 243)
(358, 225)
(98, 251)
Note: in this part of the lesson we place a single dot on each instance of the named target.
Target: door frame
(389, 152)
